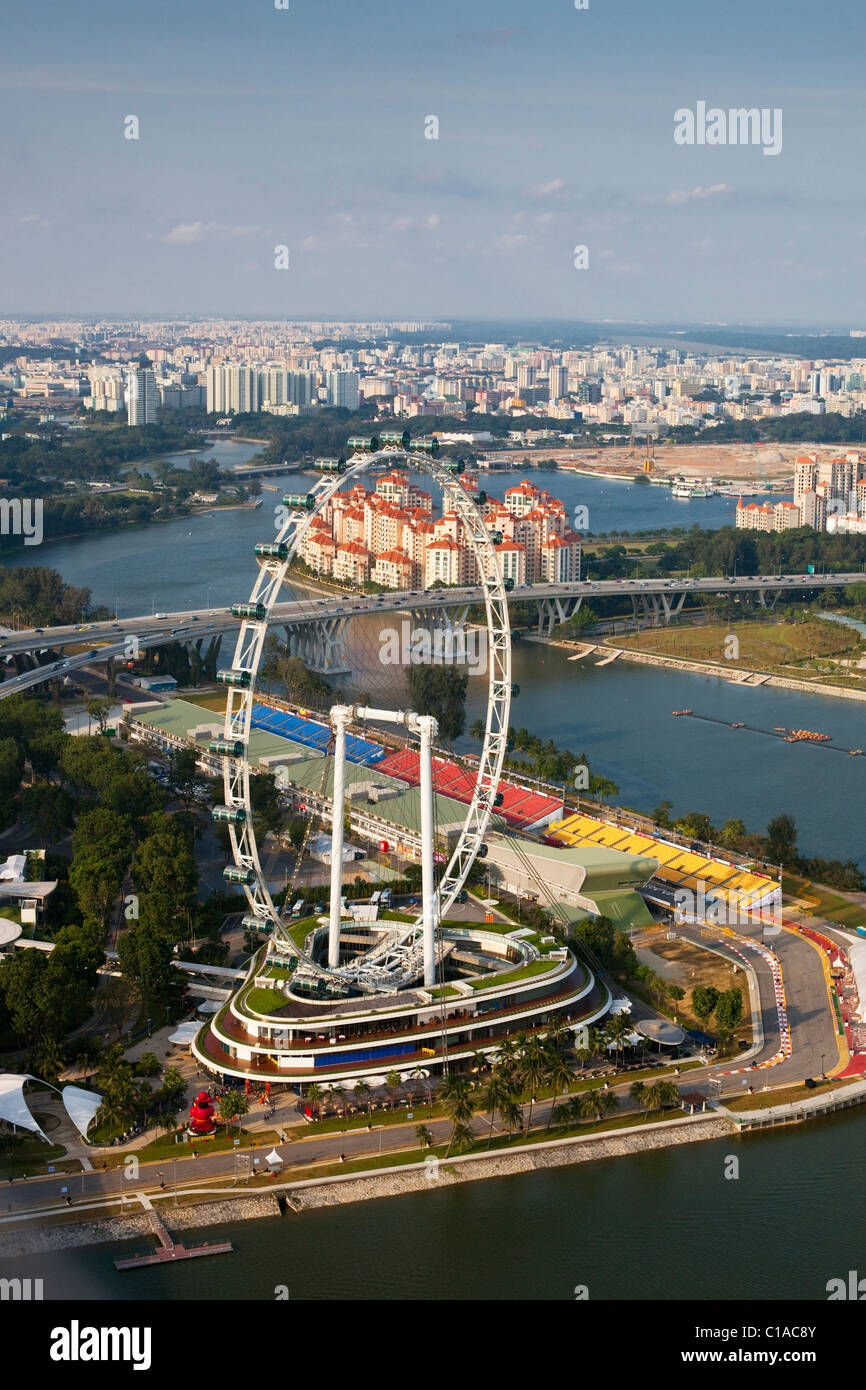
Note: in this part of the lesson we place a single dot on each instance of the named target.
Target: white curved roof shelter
(13, 1104)
(81, 1107)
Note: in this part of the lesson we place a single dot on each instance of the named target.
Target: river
(619, 715)
(666, 1225)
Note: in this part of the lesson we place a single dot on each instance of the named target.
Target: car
(194, 618)
(160, 615)
(93, 653)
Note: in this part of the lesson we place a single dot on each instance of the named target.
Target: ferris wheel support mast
(426, 727)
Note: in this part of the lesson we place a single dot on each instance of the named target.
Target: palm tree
(495, 1092)
(663, 1094)
(511, 1113)
(314, 1096)
(532, 1072)
(462, 1136)
(560, 1077)
(638, 1092)
(339, 1094)
(88, 1050)
(49, 1058)
(619, 1029)
(424, 1136)
(595, 1040)
(393, 1083)
(607, 1102)
(459, 1105)
(362, 1090)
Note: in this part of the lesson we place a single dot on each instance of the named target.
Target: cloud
(686, 195)
(544, 190)
(188, 233)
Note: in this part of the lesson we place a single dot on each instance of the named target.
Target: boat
(677, 712)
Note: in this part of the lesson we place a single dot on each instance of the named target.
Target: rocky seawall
(529, 1158)
(41, 1240)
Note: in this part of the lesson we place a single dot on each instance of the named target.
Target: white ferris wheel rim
(247, 658)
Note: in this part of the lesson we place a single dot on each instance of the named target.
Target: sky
(306, 128)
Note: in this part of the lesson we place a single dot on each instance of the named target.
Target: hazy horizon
(306, 128)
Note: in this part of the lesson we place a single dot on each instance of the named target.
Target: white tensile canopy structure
(80, 1105)
(13, 1104)
(273, 1157)
(185, 1033)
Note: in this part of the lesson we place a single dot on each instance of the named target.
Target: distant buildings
(829, 495)
(142, 396)
(389, 537)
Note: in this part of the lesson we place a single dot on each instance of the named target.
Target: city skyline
(309, 131)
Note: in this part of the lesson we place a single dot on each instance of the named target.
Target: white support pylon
(426, 726)
(340, 716)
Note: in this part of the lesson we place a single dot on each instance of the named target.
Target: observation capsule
(330, 465)
(277, 550)
(363, 443)
(401, 438)
(234, 815)
(249, 610)
(299, 501)
(227, 747)
(233, 874)
(239, 678)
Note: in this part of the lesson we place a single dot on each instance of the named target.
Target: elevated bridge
(316, 626)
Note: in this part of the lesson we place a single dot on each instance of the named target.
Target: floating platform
(169, 1251)
(166, 1255)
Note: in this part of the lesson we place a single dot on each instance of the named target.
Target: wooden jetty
(169, 1251)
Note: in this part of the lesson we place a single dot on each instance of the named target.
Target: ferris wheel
(407, 952)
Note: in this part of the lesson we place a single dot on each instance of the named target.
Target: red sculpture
(201, 1121)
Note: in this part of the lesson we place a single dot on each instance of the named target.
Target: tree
(228, 1106)
(532, 1072)
(146, 960)
(185, 778)
(560, 1077)
(148, 1064)
(732, 833)
(98, 709)
(441, 691)
(704, 1000)
(102, 849)
(638, 1092)
(11, 772)
(393, 1083)
(619, 1028)
(729, 1010)
(458, 1103)
(496, 1091)
(165, 872)
(424, 1136)
(662, 1095)
(781, 840)
(47, 809)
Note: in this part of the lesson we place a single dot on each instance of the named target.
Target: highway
(151, 630)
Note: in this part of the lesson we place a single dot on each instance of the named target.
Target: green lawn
(264, 1001)
(24, 1157)
(523, 972)
(823, 902)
